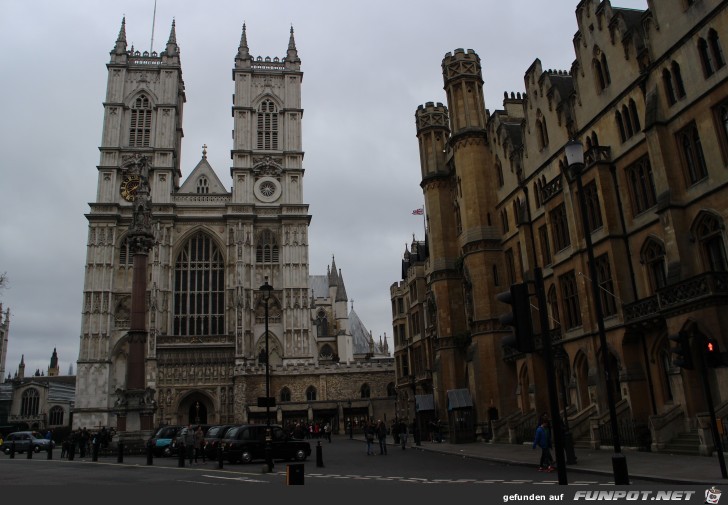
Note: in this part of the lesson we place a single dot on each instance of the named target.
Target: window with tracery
(560, 228)
(653, 258)
(267, 249)
(285, 395)
(125, 255)
(692, 153)
(140, 122)
(322, 324)
(606, 285)
(267, 125)
(311, 394)
(641, 185)
(365, 391)
(199, 288)
(708, 232)
(570, 297)
(29, 403)
(593, 209)
(55, 416)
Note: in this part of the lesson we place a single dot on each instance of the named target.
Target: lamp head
(574, 151)
(266, 289)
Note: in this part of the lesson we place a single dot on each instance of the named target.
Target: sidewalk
(659, 467)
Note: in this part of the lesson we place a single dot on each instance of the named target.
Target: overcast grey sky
(367, 66)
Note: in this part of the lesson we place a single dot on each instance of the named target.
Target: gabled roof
(359, 333)
(203, 169)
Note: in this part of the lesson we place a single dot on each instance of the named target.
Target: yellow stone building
(647, 96)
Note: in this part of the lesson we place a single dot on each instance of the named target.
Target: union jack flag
(418, 212)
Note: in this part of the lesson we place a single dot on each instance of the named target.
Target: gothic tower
(444, 276)
(474, 186)
(53, 369)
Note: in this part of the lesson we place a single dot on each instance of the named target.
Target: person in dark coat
(543, 440)
(382, 437)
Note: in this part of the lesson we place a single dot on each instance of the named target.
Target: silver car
(26, 439)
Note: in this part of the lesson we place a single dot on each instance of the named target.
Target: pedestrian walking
(188, 438)
(543, 440)
(327, 431)
(382, 437)
(199, 444)
(403, 434)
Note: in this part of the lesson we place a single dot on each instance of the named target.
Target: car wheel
(246, 457)
(300, 455)
(36, 449)
(6, 450)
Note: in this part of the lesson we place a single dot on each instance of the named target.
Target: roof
(319, 284)
(424, 402)
(359, 333)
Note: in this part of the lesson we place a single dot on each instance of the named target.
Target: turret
(433, 132)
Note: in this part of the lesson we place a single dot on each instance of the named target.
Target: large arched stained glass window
(199, 288)
(29, 402)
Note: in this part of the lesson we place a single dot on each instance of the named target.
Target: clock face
(129, 187)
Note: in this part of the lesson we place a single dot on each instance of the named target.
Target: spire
(120, 47)
(243, 50)
(204, 151)
(54, 359)
(292, 54)
(333, 278)
(172, 47)
(341, 291)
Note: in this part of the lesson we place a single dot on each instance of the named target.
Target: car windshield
(167, 432)
(36, 434)
(233, 432)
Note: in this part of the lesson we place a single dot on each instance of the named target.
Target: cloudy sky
(367, 66)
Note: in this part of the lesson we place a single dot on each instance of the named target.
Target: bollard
(71, 451)
(120, 456)
(12, 450)
(219, 455)
(50, 449)
(95, 452)
(149, 453)
(319, 455)
(181, 455)
(29, 453)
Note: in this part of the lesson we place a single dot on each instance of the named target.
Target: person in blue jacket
(543, 440)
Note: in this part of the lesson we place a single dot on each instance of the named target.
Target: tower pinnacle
(292, 55)
(172, 47)
(120, 47)
(243, 50)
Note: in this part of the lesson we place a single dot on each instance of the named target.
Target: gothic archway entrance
(198, 413)
(195, 408)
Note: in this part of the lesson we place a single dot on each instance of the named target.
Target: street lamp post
(266, 289)
(574, 151)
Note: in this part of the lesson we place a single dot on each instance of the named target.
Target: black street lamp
(266, 289)
(562, 361)
(574, 151)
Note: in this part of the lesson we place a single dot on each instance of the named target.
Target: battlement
(432, 116)
(461, 54)
(268, 63)
(144, 58)
(385, 364)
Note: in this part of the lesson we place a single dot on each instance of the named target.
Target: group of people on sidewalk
(192, 442)
(378, 432)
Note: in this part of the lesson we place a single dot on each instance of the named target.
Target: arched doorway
(197, 413)
(196, 408)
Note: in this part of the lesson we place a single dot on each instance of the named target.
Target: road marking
(197, 482)
(241, 479)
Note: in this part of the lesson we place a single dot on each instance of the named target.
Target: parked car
(247, 443)
(25, 440)
(213, 437)
(162, 440)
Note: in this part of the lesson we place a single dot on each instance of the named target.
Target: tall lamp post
(266, 289)
(574, 151)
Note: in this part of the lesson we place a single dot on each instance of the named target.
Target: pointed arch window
(620, 126)
(285, 395)
(267, 249)
(29, 403)
(601, 70)
(267, 125)
(570, 296)
(203, 185)
(499, 173)
(692, 153)
(365, 391)
(653, 258)
(322, 324)
(560, 228)
(677, 78)
(708, 232)
(669, 89)
(55, 416)
(199, 288)
(706, 59)
(606, 285)
(542, 132)
(553, 304)
(716, 51)
(634, 117)
(311, 394)
(140, 124)
(125, 255)
(642, 186)
(593, 208)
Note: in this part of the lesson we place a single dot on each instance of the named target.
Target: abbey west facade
(647, 96)
(212, 251)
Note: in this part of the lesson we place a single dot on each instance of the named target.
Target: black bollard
(319, 455)
(95, 452)
(150, 457)
(50, 449)
(181, 455)
(219, 456)
(12, 450)
(120, 456)
(29, 454)
(71, 451)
